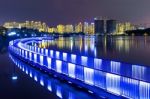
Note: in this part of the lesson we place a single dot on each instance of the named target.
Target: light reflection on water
(55, 86)
(124, 48)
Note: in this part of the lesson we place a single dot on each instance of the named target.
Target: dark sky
(71, 11)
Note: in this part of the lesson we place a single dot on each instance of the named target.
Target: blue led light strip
(85, 69)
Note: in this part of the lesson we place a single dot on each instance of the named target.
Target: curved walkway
(105, 78)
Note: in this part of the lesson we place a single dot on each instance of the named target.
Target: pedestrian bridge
(105, 78)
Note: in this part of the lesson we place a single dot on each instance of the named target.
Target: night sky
(72, 11)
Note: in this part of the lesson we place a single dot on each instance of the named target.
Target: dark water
(128, 49)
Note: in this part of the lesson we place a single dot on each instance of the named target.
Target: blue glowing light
(46, 51)
(58, 66)
(26, 71)
(51, 53)
(115, 66)
(135, 86)
(84, 60)
(144, 90)
(12, 34)
(35, 78)
(57, 54)
(71, 70)
(71, 96)
(41, 81)
(14, 77)
(35, 57)
(113, 83)
(73, 58)
(30, 55)
(42, 50)
(58, 92)
(41, 59)
(65, 56)
(26, 54)
(49, 62)
(89, 76)
(49, 85)
(38, 50)
(97, 63)
(30, 74)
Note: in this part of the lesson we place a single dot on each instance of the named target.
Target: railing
(92, 73)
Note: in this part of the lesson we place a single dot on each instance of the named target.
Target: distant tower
(99, 26)
(111, 26)
(86, 27)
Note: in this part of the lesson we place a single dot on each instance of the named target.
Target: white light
(46, 51)
(42, 82)
(30, 74)
(57, 54)
(26, 71)
(42, 50)
(97, 63)
(14, 77)
(12, 34)
(113, 83)
(73, 58)
(38, 50)
(26, 54)
(23, 68)
(59, 66)
(138, 71)
(65, 56)
(84, 60)
(35, 78)
(49, 85)
(51, 52)
(20, 52)
(49, 62)
(115, 67)
(144, 90)
(35, 57)
(89, 75)
(58, 92)
(41, 59)
(30, 47)
(71, 70)
(30, 54)
(35, 49)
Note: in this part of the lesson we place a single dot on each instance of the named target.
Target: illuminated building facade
(11, 25)
(79, 28)
(61, 28)
(86, 28)
(42, 27)
(122, 27)
(69, 28)
(91, 29)
(99, 26)
(52, 30)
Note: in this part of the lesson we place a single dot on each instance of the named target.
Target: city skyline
(99, 26)
(73, 11)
